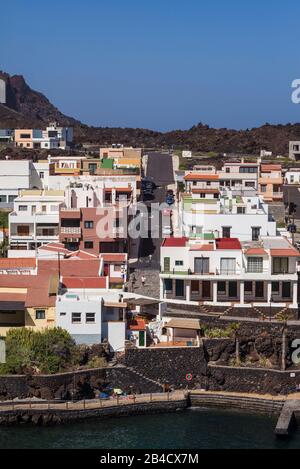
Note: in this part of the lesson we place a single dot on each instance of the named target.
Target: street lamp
(271, 301)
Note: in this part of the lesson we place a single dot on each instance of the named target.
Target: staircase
(149, 380)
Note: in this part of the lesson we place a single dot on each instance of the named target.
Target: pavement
(160, 170)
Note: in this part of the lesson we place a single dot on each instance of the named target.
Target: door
(179, 288)
(166, 264)
(23, 230)
(201, 265)
(232, 291)
(259, 289)
(142, 338)
(286, 290)
(106, 270)
(206, 289)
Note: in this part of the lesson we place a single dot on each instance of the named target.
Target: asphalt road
(160, 171)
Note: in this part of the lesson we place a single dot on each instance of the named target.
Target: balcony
(70, 230)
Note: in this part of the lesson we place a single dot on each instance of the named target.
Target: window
(89, 225)
(88, 245)
(263, 187)
(76, 318)
(168, 285)
(275, 287)
(255, 233)
(44, 208)
(40, 314)
(42, 174)
(201, 265)
(11, 198)
(250, 184)
(280, 265)
(62, 314)
(226, 231)
(227, 170)
(2, 199)
(90, 318)
(248, 287)
(286, 290)
(22, 208)
(255, 265)
(222, 287)
(241, 210)
(195, 286)
(228, 266)
(179, 263)
(208, 183)
(248, 170)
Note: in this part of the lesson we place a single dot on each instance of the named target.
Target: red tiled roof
(56, 247)
(72, 267)
(201, 177)
(81, 255)
(136, 325)
(17, 263)
(87, 282)
(285, 253)
(205, 191)
(229, 244)
(174, 242)
(270, 167)
(13, 297)
(256, 252)
(203, 247)
(113, 257)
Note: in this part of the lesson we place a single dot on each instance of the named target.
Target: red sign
(189, 377)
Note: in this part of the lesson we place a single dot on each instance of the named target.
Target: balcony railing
(70, 230)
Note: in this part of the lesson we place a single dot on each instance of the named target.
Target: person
(132, 281)
(143, 280)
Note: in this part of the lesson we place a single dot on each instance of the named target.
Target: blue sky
(160, 64)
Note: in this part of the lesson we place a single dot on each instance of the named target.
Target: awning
(192, 324)
(142, 302)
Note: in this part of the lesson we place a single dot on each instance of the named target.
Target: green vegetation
(3, 219)
(48, 351)
(216, 333)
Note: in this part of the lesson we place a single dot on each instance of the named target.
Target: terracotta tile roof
(201, 177)
(71, 267)
(17, 263)
(205, 191)
(114, 257)
(203, 247)
(81, 255)
(87, 282)
(285, 253)
(13, 297)
(54, 247)
(174, 242)
(229, 244)
(265, 168)
(136, 325)
(256, 252)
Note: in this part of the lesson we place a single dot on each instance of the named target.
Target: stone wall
(169, 365)
(251, 380)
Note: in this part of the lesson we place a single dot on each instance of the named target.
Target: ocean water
(191, 429)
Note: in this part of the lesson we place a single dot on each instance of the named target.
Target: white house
(228, 272)
(35, 219)
(292, 176)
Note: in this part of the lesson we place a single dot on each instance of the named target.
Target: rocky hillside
(26, 108)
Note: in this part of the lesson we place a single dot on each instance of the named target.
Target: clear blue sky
(160, 64)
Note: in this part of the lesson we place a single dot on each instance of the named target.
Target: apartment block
(53, 137)
(35, 219)
(227, 272)
(270, 183)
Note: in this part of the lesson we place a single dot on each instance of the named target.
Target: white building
(294, 150)
(16, 175)
(93, 315)
(292, 176)
(2, 91)
(35, 219)
(226, 272)
(225, 214)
